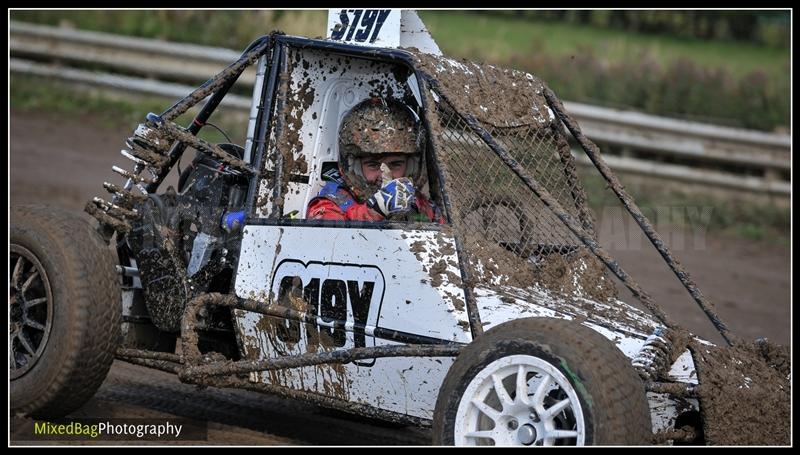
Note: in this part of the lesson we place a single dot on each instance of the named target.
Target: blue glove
(395, 198)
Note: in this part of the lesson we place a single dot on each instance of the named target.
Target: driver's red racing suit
(336, 202)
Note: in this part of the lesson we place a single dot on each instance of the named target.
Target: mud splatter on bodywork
(438, 259)
(498, 97)
(745, 393)
(493, 174)
(315, 89)
(572, 278)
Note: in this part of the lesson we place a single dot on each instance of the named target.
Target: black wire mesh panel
(510, 236)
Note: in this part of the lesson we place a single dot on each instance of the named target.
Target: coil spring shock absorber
(654, 357)
(148, 149)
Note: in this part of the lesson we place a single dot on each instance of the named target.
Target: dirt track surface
(234, 417)
(64, 161)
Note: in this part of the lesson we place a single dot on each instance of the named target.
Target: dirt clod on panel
(745, 393)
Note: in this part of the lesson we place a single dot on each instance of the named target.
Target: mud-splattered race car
(499, 327)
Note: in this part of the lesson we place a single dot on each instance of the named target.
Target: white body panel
(380, 28)
(400, 266)
(537, 302)
(402, 298)
(413, 33)
(365, 27)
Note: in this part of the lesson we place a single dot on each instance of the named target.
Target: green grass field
(736, 84)
(496, 39)
(460, 34)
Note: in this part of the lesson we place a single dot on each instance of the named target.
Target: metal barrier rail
(694, 151)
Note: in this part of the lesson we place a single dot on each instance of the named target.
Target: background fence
(681, 155)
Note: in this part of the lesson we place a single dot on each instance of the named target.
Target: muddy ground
(63, 162)
(234, 417)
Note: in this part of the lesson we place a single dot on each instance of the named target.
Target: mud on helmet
(378, 126)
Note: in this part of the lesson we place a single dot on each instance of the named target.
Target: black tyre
(577, 389)
(65, 311)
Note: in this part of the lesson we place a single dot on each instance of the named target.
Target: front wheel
(541, 382)
(65, 310)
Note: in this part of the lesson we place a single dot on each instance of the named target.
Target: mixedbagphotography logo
(120, 429)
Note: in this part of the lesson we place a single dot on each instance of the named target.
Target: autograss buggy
(500, 326)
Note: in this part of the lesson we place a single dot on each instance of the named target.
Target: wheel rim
(519, 400)
(30, 303)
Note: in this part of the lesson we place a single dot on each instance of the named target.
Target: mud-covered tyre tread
(619, 413)
(87, 311)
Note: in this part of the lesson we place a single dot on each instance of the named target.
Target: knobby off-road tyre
(68, 312)
(589, 386)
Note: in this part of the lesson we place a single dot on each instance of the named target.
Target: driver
(381, 143)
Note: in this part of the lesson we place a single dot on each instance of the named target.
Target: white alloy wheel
(519, 400)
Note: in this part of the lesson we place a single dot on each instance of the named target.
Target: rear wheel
(540, 382)
(502, 220)
(64, 305)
